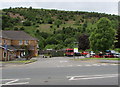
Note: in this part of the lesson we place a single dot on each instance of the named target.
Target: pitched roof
(17, 35)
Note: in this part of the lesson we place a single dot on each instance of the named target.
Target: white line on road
(104, 64)
(79, 65)
(114, 64)
(95, 65)
(63, 61)
(87, 77)
(15, 81)
(12, 81)
(88, 65)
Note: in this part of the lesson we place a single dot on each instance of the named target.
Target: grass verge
(23, 61)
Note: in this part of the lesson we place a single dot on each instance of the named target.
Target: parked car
(92, 54)
(109, 55)
(85, 53)
(77, 54)
(117, 55)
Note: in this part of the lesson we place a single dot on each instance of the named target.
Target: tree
(22, 28)
(118, 37)
(102, 38)
(16, 28)
(30, 8)
(27, 23)
(51, 40)
(83, 41)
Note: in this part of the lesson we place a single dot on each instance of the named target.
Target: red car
(109, 55)
(85, 53)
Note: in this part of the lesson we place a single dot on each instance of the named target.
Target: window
(26, 42)
(20, 42)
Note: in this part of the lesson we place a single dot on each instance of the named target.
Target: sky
(101, 6)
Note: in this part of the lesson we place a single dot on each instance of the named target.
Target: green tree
(16, 28)
(27, 23)
(51, 40)
(118, 37)
(22, 28)
(102, 38)
(83, 42)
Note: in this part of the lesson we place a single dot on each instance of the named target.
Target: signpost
(75, 51)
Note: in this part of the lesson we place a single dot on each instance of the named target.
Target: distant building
(17, 44)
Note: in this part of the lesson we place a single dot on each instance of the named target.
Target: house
(17, 44)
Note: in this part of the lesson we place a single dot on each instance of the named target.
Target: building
(17, 44)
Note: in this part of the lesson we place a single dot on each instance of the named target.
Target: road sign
(75, 49)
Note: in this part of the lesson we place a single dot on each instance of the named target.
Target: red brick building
(17, 44)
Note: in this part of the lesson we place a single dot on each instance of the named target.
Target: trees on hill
(102, 38)
(83, 42)
(58, 29)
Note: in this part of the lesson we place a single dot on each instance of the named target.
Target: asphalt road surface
(61, 71)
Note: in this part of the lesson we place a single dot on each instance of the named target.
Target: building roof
(16, 35)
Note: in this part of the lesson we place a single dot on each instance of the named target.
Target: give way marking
(21, 81)
(87, 77)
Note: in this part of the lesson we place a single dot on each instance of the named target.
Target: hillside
(54, 28)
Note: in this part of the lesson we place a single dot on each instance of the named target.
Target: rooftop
(16, 35)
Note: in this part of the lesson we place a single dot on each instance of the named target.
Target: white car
(117, 55)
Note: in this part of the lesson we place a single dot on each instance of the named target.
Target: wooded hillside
(55, 29)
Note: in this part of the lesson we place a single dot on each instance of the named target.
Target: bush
(117, 49)
(27, 23)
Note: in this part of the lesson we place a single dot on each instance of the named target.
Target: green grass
(23, 61)
(98, 59)
(45, 28)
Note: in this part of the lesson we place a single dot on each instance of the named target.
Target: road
(61, 71)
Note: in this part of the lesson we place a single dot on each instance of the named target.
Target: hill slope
(55, 29)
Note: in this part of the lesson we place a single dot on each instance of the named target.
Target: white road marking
(79, 65)
(63, 61)
(10, 82)
(15, 81)
(88, 65)
(114, 64)
(87, 77)
(95, 65)
(104, 64)
(60, 66)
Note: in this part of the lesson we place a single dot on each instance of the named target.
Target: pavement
(61, 71)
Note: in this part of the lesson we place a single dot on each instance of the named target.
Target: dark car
(77, 54)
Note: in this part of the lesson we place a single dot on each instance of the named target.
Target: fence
(54, 53)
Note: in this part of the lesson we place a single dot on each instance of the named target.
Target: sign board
(76, 50)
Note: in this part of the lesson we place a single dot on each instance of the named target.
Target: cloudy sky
(101, 6)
